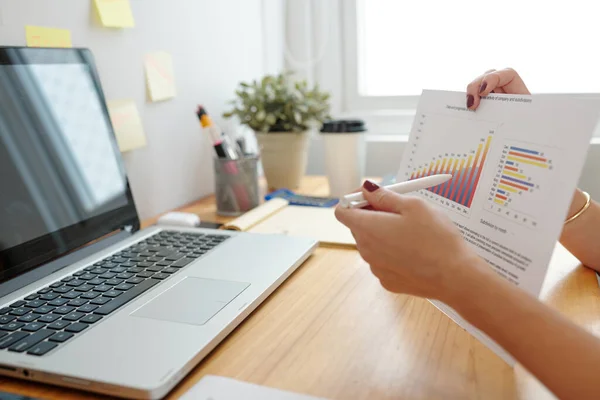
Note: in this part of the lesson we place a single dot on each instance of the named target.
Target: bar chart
(520, 176)
(464, 156)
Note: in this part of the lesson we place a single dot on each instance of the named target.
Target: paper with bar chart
(515, 163)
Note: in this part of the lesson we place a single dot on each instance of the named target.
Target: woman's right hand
(504, 81)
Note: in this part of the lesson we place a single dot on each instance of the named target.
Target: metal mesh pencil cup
(236, 185)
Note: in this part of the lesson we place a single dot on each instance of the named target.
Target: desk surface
(331, 330)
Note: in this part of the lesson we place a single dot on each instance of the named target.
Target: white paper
(526, 154)
(213, 387)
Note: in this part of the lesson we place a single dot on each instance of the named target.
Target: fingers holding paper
(503, 81)
(410, 246)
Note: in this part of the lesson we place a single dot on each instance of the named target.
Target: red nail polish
(482, 87)
(470, 100)
(370, 186)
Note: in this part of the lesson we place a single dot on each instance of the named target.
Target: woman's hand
(504, 81)
(410, 246)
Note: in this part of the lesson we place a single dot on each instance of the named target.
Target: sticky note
(115, 13)
(159, 76)
(126, 124)
(38, 36)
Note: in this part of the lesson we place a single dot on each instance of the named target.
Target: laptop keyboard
(55, 314)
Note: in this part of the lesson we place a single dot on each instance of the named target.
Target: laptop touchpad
(191, 301)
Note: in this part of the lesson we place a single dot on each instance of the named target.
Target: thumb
(382, 199)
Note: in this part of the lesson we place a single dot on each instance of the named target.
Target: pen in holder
(236, 185)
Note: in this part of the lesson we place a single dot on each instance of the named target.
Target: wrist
(577, 203)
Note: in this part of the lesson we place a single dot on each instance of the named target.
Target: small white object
(356, 200)
(345, 156)
(212, 387)
(179, 219)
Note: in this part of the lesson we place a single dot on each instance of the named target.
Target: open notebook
(277, 216)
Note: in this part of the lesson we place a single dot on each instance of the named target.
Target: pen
(221, 146)
(356, 200)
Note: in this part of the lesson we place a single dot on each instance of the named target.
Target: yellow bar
(499, 202)
(437, 165)
(430, 167)
(522, 160)
(508, 188)
(442, 171)
(514, 174)
(469, 162)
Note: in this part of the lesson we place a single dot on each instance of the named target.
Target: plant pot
(284, 156)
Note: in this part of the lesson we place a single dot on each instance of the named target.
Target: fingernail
(482, 87)
(370, 186)
(470, 100)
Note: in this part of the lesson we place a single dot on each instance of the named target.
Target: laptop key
(50, 296)
(123, 286)
(30, 340)
(18, 304)
(88, 308)
(33, 327)
(96, 281)
(119, 260)
(84, 288)
(75, 283)
(164, 263)
(41, 348)
(102, 288)
(30, 297)
(79, 273)
(145, 274)
(5, 319)
(58, 302)
(44, 309)
(74, 316)
(135, 280)
(107, 275)
(154, 268)
(124, 275)
(135, 270)
(100, 301)
(77, 302)
(114, 282)
(13, 326)
(112, 293)
(98, 271)
(70, 295)
(12, 338)
(29, 317)
(56, 284)
(19, 311)
(90, 295)
(126, 297)
(169, 270)
(174, 257)
(87, 277)
(145, 264)
(128, 264)
(48, 318)
(182, 262)
(64, 310)
(5, 310)
(35, 303)
(45, 290)
(58, 325)
(118, 270)
(160, 276)
(62, 290)
(75, 328)
(91, 318)
(61, 337)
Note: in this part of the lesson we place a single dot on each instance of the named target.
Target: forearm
(560, 354)
(582, 236)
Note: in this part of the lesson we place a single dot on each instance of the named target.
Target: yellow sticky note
(159, 76)
(38, 36)
(115, 13)
(127, 124)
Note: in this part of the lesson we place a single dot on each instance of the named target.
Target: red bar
(511, 168)
(446, 192)
(485, 152)
(458, 175)
(501, 197)
(514, 153)
(412, 176)
(502, 181)
(465, 186)
(437, 189)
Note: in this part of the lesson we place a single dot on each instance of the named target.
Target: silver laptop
(87, 299)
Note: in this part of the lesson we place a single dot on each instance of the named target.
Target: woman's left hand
(410, 246)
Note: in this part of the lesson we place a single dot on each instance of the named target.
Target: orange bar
(412, 176)
(502, 181)
(436, 189)
(501, 197)
(437, 165)
(514, 153)
(430, 167)
(455, 179)
(445, 194)
(511, 168)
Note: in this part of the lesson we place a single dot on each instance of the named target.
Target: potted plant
(281, 113)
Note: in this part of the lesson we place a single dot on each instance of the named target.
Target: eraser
(179, 219)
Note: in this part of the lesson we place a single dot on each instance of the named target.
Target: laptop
(87, 299)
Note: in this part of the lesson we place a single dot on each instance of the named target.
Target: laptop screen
(62, 181)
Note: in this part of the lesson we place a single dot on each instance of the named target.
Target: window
(394, 49)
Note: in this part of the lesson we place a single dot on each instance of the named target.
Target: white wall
(215, 44)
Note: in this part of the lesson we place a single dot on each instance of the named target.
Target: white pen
(356, 200)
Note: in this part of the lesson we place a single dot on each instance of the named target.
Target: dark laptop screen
(62, 182)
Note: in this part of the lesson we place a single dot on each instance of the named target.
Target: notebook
(278, 216)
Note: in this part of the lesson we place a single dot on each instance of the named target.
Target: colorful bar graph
(479, 169)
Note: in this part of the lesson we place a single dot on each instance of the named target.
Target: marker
(220, 145)
(356, 200)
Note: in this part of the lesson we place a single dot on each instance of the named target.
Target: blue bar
(524, 150)
(461, 175)
(518, 181)
(509, 163)
(471, 187)
(500, 191)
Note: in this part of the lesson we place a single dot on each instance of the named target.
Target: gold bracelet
(588, 201)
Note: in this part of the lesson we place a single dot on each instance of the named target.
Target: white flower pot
(284, 156)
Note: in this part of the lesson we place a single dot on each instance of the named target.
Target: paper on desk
(159, 76)
(515, 164)
(38, 36)
(114, 13)
(127, 124)
(213, 387)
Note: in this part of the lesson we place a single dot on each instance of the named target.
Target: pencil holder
(236, 185)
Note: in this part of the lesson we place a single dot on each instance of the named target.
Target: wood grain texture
(331, 330)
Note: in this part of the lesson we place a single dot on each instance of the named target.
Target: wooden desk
(331, 330)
